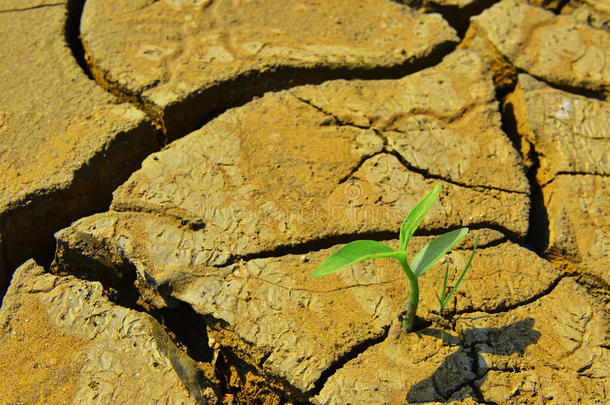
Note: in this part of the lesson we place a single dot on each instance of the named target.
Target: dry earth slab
(66, 143)
(63, 341)
(569, 136)
(181, 60)
(553, 349)
(560, 50)
(542, 351)
(569, 132)
(230, 219)
(579, 225)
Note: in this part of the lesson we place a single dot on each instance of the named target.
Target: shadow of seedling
(453, 379)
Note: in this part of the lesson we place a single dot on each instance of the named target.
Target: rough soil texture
(558, 49)
(554, 349)
(580, 229)
(570, 136)
(569, 132)
(169, 56)
(540, 351)
(292, 128)
(207, 221)
(71, 344)
(64, 140)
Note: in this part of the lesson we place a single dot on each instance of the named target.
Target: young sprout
(360, 250)
(443, 300)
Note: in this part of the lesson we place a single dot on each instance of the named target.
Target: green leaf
(443, 291)
(412, 221)
(433, 251)
(459, 280)
(351, 253)
(440, 302)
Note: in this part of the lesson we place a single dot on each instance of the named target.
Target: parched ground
(173, 171)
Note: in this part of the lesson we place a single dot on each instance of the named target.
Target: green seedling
(361, 250)
(443, 299)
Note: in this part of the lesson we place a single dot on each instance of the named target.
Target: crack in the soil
(506, 308)
(328, 241)
(595, 285)
(600, 94)
(14, 10)
(391, 151)
(573, 173)
(352, 354)
(358, 166)
(120, 281)
(474, 356)
(196, 110)
(72, 34)
(458, 17)
(336, 120)
(560, 7)
(538, 233)
(426, 173)
(389, 126)
(33, 221)
(387, 149)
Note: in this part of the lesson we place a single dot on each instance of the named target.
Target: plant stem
(409, 317)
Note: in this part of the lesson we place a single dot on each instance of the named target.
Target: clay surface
(513, 357)
(571, 139)
(288, 129)
(579, 228)
(554, 349)
(167, 222)
(260, 45)
(569, 132)
(63, 341)
(558, 49)
(65, 141)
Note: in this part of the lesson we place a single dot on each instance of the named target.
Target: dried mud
(277, 152)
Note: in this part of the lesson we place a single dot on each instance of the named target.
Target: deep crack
(329, 241)
(458, 17)
(124, 287)
(538, 233)
(72, 34)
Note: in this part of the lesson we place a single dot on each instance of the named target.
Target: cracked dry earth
(172, 171)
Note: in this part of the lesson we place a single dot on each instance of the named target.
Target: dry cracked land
(172, 171)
